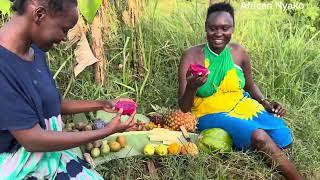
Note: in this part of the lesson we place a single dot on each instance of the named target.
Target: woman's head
(48, 21)
(219, 25)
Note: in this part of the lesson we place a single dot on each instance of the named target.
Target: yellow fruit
(105, 149)
(161, 150)
(114, 146)
(122, 141)
(148, 150)
(174, 120)
(191, 148)
(95, 152)
(104, 142)
(174, 148)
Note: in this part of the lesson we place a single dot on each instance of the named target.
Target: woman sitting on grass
(32, 145)
(227, 97)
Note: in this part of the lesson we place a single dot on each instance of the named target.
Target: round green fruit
(104, 141)
(89, 147)
(95, 152)
(105, 149)
(215, 139)
(97, 143)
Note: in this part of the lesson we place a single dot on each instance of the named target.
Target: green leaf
(89, 8)
(5, 7)
(106, 116)
(136, 140)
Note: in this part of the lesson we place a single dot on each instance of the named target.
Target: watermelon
(128, 107)
(197, 69)
(215, 139)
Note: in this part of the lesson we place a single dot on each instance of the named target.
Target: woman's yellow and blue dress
(222, 103)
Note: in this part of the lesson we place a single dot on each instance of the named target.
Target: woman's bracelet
(263, 100)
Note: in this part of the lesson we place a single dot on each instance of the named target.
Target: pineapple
(175, 119)
(156, 117)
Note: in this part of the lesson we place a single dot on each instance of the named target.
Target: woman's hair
(221, 7)
(52, 5)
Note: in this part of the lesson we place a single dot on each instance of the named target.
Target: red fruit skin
(128, 107)
(197, 69)
(184, 150)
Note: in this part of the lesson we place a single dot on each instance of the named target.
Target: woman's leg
(262, 142)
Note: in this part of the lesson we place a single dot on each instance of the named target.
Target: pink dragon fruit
(197, 69)
(128, 107)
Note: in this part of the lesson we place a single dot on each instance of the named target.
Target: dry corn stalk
(98, 50)
(132, 15)
(131, 18)
(110, 22)
(105, 14)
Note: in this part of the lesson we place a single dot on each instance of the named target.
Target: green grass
(285, 60)
(218, 166)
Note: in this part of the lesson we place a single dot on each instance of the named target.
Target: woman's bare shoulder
(239, 53)
(194, 49)
(193, 53)
(237, 47)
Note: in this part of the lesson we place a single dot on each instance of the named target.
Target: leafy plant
(89, 8)
(5, 7)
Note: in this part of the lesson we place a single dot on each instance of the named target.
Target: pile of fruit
(173, 149)
(168, 142)
(98, 147)
(103, 147)
(84, 126)
(158, 133)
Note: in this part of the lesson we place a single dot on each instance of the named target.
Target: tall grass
(285, 60)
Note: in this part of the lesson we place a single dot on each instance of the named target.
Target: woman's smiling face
(219, 29)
